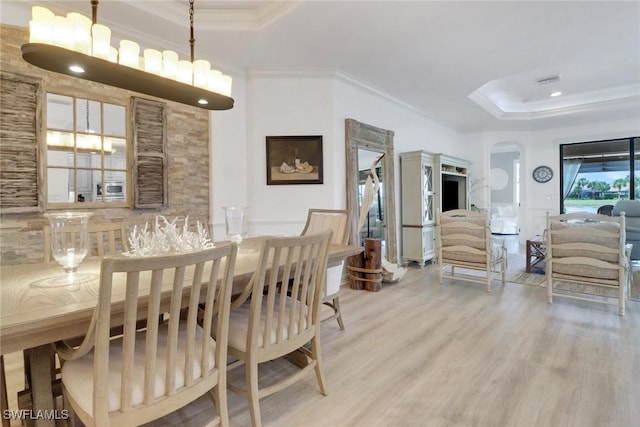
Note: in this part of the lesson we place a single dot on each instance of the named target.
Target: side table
(536, 251)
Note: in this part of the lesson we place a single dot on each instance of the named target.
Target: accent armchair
(586, 249)
(631, 209)
(464, 242)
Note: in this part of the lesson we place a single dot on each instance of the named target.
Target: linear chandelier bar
(77, 47)
(58, 60)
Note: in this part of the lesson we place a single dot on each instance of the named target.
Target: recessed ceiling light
(556, 94)
(76, 69)
(203, 101)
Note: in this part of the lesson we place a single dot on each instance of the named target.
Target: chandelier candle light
(78, 46)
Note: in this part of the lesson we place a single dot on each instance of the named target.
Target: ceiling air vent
(548, 79)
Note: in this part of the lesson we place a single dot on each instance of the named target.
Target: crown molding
(619, 96)
(220, 19)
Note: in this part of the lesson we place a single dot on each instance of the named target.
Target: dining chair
(587, 251)
(268, 321)
(464, 242)
(337, 220)
(105, 238)
(145, 375)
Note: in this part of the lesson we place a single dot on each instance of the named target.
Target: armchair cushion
(586, 237)
(631, 208)
(583, 270)
(468, 237)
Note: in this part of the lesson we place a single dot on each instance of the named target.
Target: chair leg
(504, 270)
(336, 308)
(549, 290)
(251, 372)
(315, 354)
(73, 420)
(489, 279)
(4, 403)
(219, 394)
(621, 298)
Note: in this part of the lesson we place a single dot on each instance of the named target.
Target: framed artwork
(294, 160)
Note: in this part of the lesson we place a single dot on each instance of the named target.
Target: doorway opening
(504, 183)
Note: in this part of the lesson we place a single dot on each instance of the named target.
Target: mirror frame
(360, 135)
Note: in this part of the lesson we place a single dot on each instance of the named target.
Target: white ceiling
(471, 65)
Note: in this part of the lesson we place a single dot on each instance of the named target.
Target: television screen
(449, 195)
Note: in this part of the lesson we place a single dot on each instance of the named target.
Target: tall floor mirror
(365, 143)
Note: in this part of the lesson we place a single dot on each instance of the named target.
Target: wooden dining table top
(34, 312)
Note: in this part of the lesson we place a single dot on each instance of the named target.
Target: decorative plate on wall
(543, 174)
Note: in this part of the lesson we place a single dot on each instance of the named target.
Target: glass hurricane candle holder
(235, 220)
(69, 239)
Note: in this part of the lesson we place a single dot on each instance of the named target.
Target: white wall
(228, 157)
(311, 103)
(541, 147)
(287, 104)
(412, 130)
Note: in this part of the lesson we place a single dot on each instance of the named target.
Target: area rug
(516, 274)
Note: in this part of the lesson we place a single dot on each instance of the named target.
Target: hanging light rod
(77, 46)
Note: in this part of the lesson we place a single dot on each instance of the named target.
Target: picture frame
(294, 160)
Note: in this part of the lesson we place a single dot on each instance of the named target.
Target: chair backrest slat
(129, 337)
(151, 344)
(172, 339)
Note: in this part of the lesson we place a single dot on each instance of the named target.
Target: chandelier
(78, 46)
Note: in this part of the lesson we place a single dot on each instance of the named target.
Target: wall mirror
(86, 151)
(365, 143)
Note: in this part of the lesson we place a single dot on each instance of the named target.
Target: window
(86, 151)
(598, 173)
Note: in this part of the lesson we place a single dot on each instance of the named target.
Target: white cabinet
(451, 181)
(417, 206)
(115, 162)
(82, 188)
(58, 178)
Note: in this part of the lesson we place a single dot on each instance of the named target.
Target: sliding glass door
(599, 173)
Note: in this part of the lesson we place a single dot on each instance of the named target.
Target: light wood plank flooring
(419, 353)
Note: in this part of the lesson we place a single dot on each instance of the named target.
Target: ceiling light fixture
(554, 94)
(77, 46)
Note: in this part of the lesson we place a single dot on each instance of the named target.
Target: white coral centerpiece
(168, 238)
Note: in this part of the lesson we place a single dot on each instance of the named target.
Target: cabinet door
(428, 243)
(427, 193)
(84, 175)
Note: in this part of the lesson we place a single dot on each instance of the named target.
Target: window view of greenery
(597, 174)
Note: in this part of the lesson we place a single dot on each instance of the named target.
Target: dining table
(36, 310)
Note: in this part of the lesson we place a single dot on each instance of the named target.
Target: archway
(505, 189)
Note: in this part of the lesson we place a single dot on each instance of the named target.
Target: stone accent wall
(21, 237)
